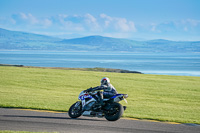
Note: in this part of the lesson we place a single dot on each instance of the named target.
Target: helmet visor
(104, 82)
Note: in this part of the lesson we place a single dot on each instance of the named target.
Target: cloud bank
(103, 24)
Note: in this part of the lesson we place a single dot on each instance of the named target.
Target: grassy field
(157, 97)
(7, 131)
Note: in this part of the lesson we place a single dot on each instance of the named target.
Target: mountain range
(16, 40)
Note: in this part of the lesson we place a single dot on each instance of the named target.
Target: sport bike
(87, 105)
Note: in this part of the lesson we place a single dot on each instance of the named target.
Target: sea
(183, 64)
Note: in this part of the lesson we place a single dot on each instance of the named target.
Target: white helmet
(105, 81)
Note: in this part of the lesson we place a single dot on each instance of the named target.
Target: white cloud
(192, 22)
(188, 25)
(125, 26)
(90, 19)
(32, 19)
(23, 16)
(29, 21)
(29, 18)
(86, 23)
(187, 29)
(47, 22)
(107, 19)
(91, 22)
(103, 24)
(118, 24)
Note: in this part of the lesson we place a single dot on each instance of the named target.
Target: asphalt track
(38, 121)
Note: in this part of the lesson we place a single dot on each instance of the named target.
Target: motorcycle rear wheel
(75, 112)
(115, 112)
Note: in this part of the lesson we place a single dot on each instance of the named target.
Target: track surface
(23, 120)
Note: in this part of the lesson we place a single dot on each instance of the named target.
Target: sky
(177, 20)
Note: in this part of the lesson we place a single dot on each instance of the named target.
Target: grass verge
(155, 97)
(8, 131)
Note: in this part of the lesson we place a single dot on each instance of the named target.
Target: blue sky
(132, 19)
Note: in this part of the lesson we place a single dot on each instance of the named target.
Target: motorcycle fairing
(85, 99)
(84, 96)
(117, 95)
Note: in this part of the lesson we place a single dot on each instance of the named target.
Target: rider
(109, 90)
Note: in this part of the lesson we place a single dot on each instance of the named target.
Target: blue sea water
(186, 64)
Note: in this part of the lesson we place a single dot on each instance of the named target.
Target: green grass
(157, 97)
(8, 131)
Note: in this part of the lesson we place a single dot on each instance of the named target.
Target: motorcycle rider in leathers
(108, 90)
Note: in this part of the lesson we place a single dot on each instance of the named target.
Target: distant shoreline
(98, 69)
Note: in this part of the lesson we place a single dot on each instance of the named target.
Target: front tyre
(75, 110)
(115, 112)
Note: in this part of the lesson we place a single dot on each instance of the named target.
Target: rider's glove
(88, 90)
(85, 91)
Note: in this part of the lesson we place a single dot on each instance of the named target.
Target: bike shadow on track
(51, 117)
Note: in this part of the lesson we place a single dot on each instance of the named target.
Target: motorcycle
(87, 105)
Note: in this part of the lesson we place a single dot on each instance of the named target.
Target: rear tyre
(75, 110)
(115, 112)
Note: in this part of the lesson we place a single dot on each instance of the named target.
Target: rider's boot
(100, 99)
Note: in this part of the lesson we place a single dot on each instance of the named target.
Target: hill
(100, 43)
(114, 44)
(15, 40)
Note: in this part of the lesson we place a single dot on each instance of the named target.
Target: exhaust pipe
(93, 114)
(87, 113)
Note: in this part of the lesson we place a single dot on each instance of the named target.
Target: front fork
(78, 105)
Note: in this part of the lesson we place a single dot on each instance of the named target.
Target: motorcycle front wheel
(75, 110)
(115, 112)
